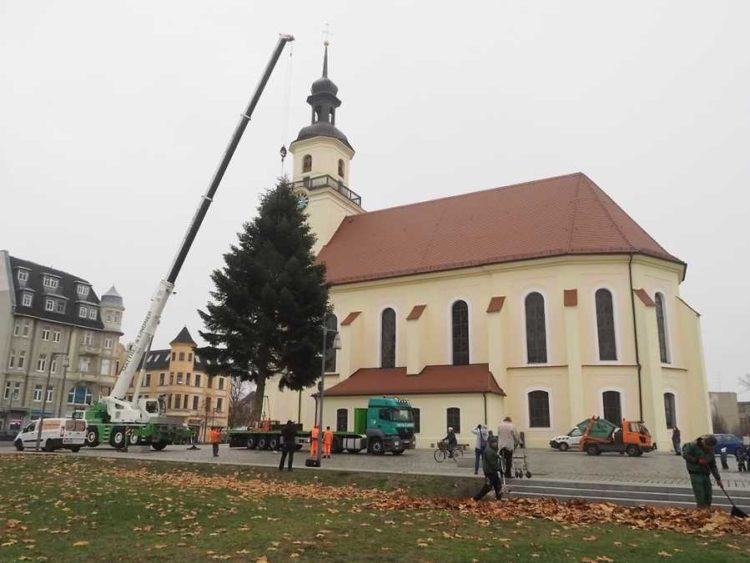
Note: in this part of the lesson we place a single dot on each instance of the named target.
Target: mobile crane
(115, 420)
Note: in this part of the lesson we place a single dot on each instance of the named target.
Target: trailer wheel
(375, 447)
(632, 450)
(134, 439)
(92, 438)
(262, 443)
(160, 445)
(251, 443)
(591, 449)
(273, 443)
(563, 447)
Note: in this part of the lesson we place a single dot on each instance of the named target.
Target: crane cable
(286, 108)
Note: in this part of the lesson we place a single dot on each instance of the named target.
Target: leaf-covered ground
(66, 508)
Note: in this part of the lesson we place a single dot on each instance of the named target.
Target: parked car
(57, 433)
(570, 440)
(728, 441)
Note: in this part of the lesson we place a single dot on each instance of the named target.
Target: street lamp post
(40, 422)
(66, 363)
(321, 386)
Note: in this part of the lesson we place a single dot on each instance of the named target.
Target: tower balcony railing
(326, 181)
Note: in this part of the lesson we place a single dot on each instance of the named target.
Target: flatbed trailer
(257, 439)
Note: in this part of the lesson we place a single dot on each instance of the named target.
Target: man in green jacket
(701, 464)
(491, 467)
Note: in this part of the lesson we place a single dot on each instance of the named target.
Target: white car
(567, 441)
(57, 433)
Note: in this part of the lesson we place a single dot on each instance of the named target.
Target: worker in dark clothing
(491, 468)
(676, 440)
(701, 464)
(288, 444)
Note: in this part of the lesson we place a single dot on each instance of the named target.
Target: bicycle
(441, 453)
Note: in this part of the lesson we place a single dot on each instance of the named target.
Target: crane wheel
(92, 438)
(117, 438)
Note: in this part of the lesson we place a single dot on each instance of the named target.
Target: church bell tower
(322, 155)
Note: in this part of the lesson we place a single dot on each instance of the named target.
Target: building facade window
(92, 314)
(161, 378)
(190, 356)
(670, 411)
(50, 393)
(221, 384)
(612, 407)
(26, 329)
(37, 393)
(182, 356)
(11, 360)
(41, 363)
(415, 413)
(60, 306)
(179, 378)
(84, 364)
(147, 380)
(13, 394)
(536, 329)
(195, 402)
(219, 404)
(45, 334)
(21, 358)
(88, 338)
(388, 338)
(106, 366)
(306, 163)
(82, 290)
(108, 343)
(661, 325)
(185, 399)
(332, 324)
(83, 312)
(539, 413)
(197, 379)
(80, 395)
(605, 325)
(177, 400)
(341, 167)
(56, 335)
(53, 364)
(460, 333)
(187, 379)
(453, 419)
(49, 304)
(342, 420)
(22, 276)
(27, 299)
(50, 282)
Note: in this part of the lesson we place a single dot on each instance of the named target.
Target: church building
(543, 301)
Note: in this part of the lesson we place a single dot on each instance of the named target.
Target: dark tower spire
(324, 101)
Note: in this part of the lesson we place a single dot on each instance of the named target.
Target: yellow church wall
(325, 153)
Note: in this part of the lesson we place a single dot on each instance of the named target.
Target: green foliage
(270, 299)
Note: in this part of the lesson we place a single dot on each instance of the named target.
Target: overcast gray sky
(114, 115)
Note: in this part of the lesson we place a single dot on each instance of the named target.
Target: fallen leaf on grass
(664, 554)
(590, 538)
(80, 543)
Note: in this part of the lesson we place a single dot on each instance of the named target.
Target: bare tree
(744, 382)
(240, 403)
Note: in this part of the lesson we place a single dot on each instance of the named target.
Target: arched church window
(332, 324)
(661, 324)
(536, 330)
(307, 163)
(539, 409)
(669, 410)
(612, 407)
(460, 333)
(605, 325)
(341, 167)
(388, 338)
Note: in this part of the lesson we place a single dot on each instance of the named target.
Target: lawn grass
(67, 508)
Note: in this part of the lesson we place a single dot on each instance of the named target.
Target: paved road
(656, 478)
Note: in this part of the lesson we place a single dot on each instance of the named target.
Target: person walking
(491, 468)
(314, 437)
(327, 442)
(481, 442)
(215, 439)
(676, 440)
(288, 444)
(507, 441)
(701, 464)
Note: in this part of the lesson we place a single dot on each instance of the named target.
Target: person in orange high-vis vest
(215, 439)
(314, 435)
(327, 442)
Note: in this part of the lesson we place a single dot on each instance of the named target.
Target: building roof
(159, 360)
(565, 215)
(66, 291)
(473, 378)
(184, 338)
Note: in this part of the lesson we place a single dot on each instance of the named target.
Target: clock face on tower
(302, 199)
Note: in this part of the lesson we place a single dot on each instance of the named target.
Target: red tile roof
(474, 378)
(552, 217)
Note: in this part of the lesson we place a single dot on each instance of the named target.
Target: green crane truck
(386, 425)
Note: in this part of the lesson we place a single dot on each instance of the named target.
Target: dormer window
(60, 306)
(82, 290)
(83, 312)
(92, 314)
(307, 163)
(341, 167)
(50, 282)
(49, 304)
(23, 276)
(27, 299)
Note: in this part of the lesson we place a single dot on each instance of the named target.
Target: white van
(57, 433)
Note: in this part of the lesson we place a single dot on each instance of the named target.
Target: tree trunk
(260, 390)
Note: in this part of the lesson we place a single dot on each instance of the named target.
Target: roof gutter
(635, 339)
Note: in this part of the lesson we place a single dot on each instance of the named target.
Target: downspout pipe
(484, 396)
(635, 338)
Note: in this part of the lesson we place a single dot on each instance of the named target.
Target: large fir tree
(270, 300)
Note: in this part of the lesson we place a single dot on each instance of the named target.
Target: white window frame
(49, 305)
(11, 361)
(549, 392)
(92, 313)
(60, 306)
(22, 276)
(27, 299)
(53, 364)
(56, 335)
(41, 363)
(26, 329)
(21, 358)
(83, 312)
(6, 391)
(82, 290)
(547, 339)
(38, 390)
(50, 393)
(17, 328)
(106, 363)
(50, 282)
(84, 364)
(45, 334)
(108, 342)
(88, 338)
